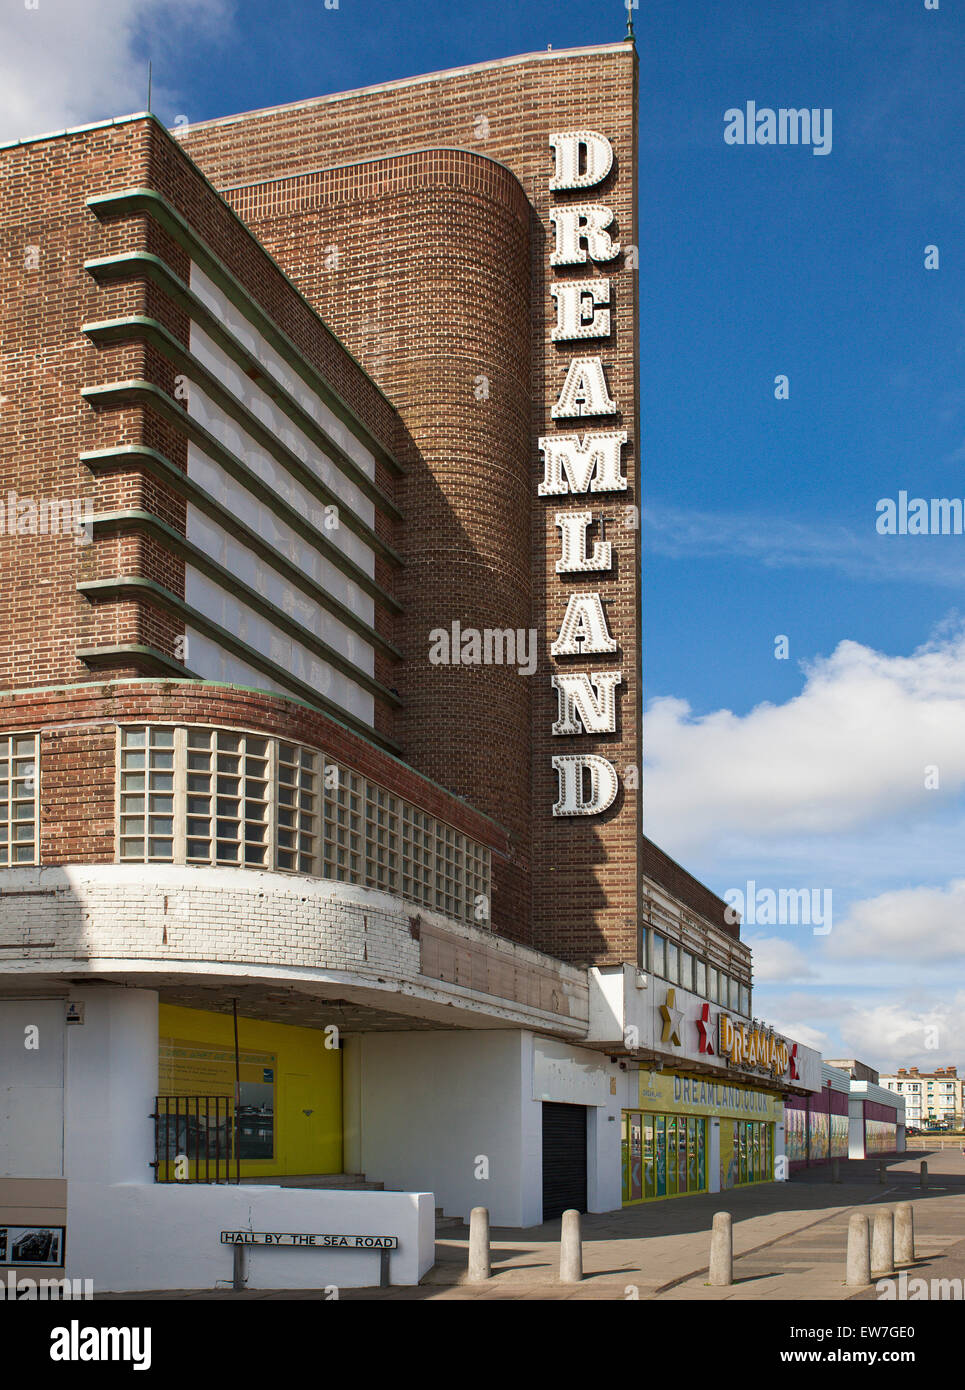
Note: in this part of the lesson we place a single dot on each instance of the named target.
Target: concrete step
(446, 1223)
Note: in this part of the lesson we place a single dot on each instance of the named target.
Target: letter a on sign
(583, 629)
(584, 391)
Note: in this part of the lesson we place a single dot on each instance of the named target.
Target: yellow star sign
(672, 1018)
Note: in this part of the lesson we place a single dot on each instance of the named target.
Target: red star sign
(705, 1030)
(792, 1063)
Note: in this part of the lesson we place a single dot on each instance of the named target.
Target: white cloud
(777, 961)
(901, 1033)
(923, 1027)
(68, 62)
(848, 752)
(919, 925)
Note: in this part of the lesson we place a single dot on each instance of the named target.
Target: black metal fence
(193, 1138)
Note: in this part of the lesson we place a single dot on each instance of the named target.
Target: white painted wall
(32, 1088)
(434, 1104)
(130, 1237)
(577, 1076)
(110, 1090)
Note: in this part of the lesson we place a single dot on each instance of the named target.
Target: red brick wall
(585, 881)
(45, 424)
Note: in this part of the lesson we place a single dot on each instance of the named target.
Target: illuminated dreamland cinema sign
(583, 464)
(755, 1048)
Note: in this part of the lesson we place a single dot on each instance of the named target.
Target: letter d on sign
(603, 784)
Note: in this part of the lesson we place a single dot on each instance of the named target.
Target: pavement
(790, 1242)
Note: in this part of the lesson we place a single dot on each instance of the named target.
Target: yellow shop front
(693, 1134)
(289, 1115)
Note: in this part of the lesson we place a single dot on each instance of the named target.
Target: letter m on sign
(572, 465)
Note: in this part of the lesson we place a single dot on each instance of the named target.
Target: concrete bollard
(923, 1174)
(883, 1242)
(722, 1249)
(859, 1251)
(480, 1266)
(904, 1234)
(571, 1248)
(835, 1170)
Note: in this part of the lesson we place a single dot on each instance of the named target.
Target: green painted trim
(107, 521)
(143, 263)
(132, 201)
(139, 328)
(91, 655)
(268, 694)
(123, 392)
(155, 463)
(108, 588)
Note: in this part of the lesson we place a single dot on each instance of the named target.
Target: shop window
(686, 970)
(19, 792)
(663, 1155)
(700, 983)
(673, 961)
(712, 984)
(658, 964)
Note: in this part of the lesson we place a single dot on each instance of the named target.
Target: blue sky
(760, 514)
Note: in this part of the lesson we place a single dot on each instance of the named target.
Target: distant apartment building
(931, 1097)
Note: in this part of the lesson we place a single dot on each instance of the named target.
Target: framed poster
(32, 1245)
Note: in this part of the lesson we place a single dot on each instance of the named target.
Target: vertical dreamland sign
(587, 718)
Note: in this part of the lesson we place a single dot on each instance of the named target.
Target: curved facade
(321, 846)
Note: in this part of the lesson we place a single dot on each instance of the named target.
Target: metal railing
(193, 1138)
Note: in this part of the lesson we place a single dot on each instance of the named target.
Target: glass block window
(344, 820)
(227, 798)
(198, 795)
(299, 809)
(19, 791)
(147, 794)
(382, 839)
(418, 853)
(477, 907)
(449, 867)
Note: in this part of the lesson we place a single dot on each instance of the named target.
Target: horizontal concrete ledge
(183, 928)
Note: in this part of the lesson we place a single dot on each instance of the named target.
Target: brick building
(320, 723)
